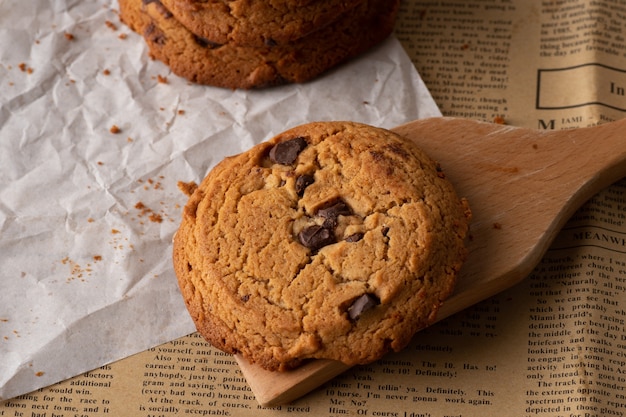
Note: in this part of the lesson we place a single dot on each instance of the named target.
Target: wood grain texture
(522, 186)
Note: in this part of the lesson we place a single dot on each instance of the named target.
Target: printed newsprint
(554, 345)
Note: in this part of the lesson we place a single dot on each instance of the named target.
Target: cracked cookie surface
(257, 279)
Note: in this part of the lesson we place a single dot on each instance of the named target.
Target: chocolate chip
(331, 213)
(285, 153)
(270, 42)
(205, 43)
(335, 210)
(361, 305)
(154, 34)
(355, 237)
(316, 237)
(302, 182)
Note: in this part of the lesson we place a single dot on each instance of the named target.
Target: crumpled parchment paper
(94, 137)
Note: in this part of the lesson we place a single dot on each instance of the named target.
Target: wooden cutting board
(522, 186)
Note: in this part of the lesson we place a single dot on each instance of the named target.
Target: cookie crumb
(187, 188)
(68, 36)
(25, 68)
(106, 72)
(156, 218)
(110, 25)
(115, 129)
(123, 36)
(499, 120)
(162, 79)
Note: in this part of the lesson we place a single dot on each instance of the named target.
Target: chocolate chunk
(154, 34)
(285, 153)
(361, 305)
(355, 237)
(331, 213)
(205, 43)
(302, 182)
(335, 210)
(316, 237)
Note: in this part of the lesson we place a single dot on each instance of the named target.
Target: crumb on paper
(152, 184)
(106, 71)
(77, 272)
(110, 25)
(69, 36)
(156, 218)
(162, 79)
(25, 68)
(115, 129)
(181, 112)
(187, 188)
(123, 36)
(499, 120)
(40, 373)
(146, 211)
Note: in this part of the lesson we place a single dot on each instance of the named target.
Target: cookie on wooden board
(332, 240)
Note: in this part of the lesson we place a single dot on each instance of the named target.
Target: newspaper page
(537, 64)
(554, 345)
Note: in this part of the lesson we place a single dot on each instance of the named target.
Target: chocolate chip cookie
(257, 22)
(233, 66)
(331, 240)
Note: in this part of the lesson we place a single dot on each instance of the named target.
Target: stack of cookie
(257, 43)
(333, 240)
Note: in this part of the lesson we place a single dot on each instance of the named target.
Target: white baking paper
(87, 215)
